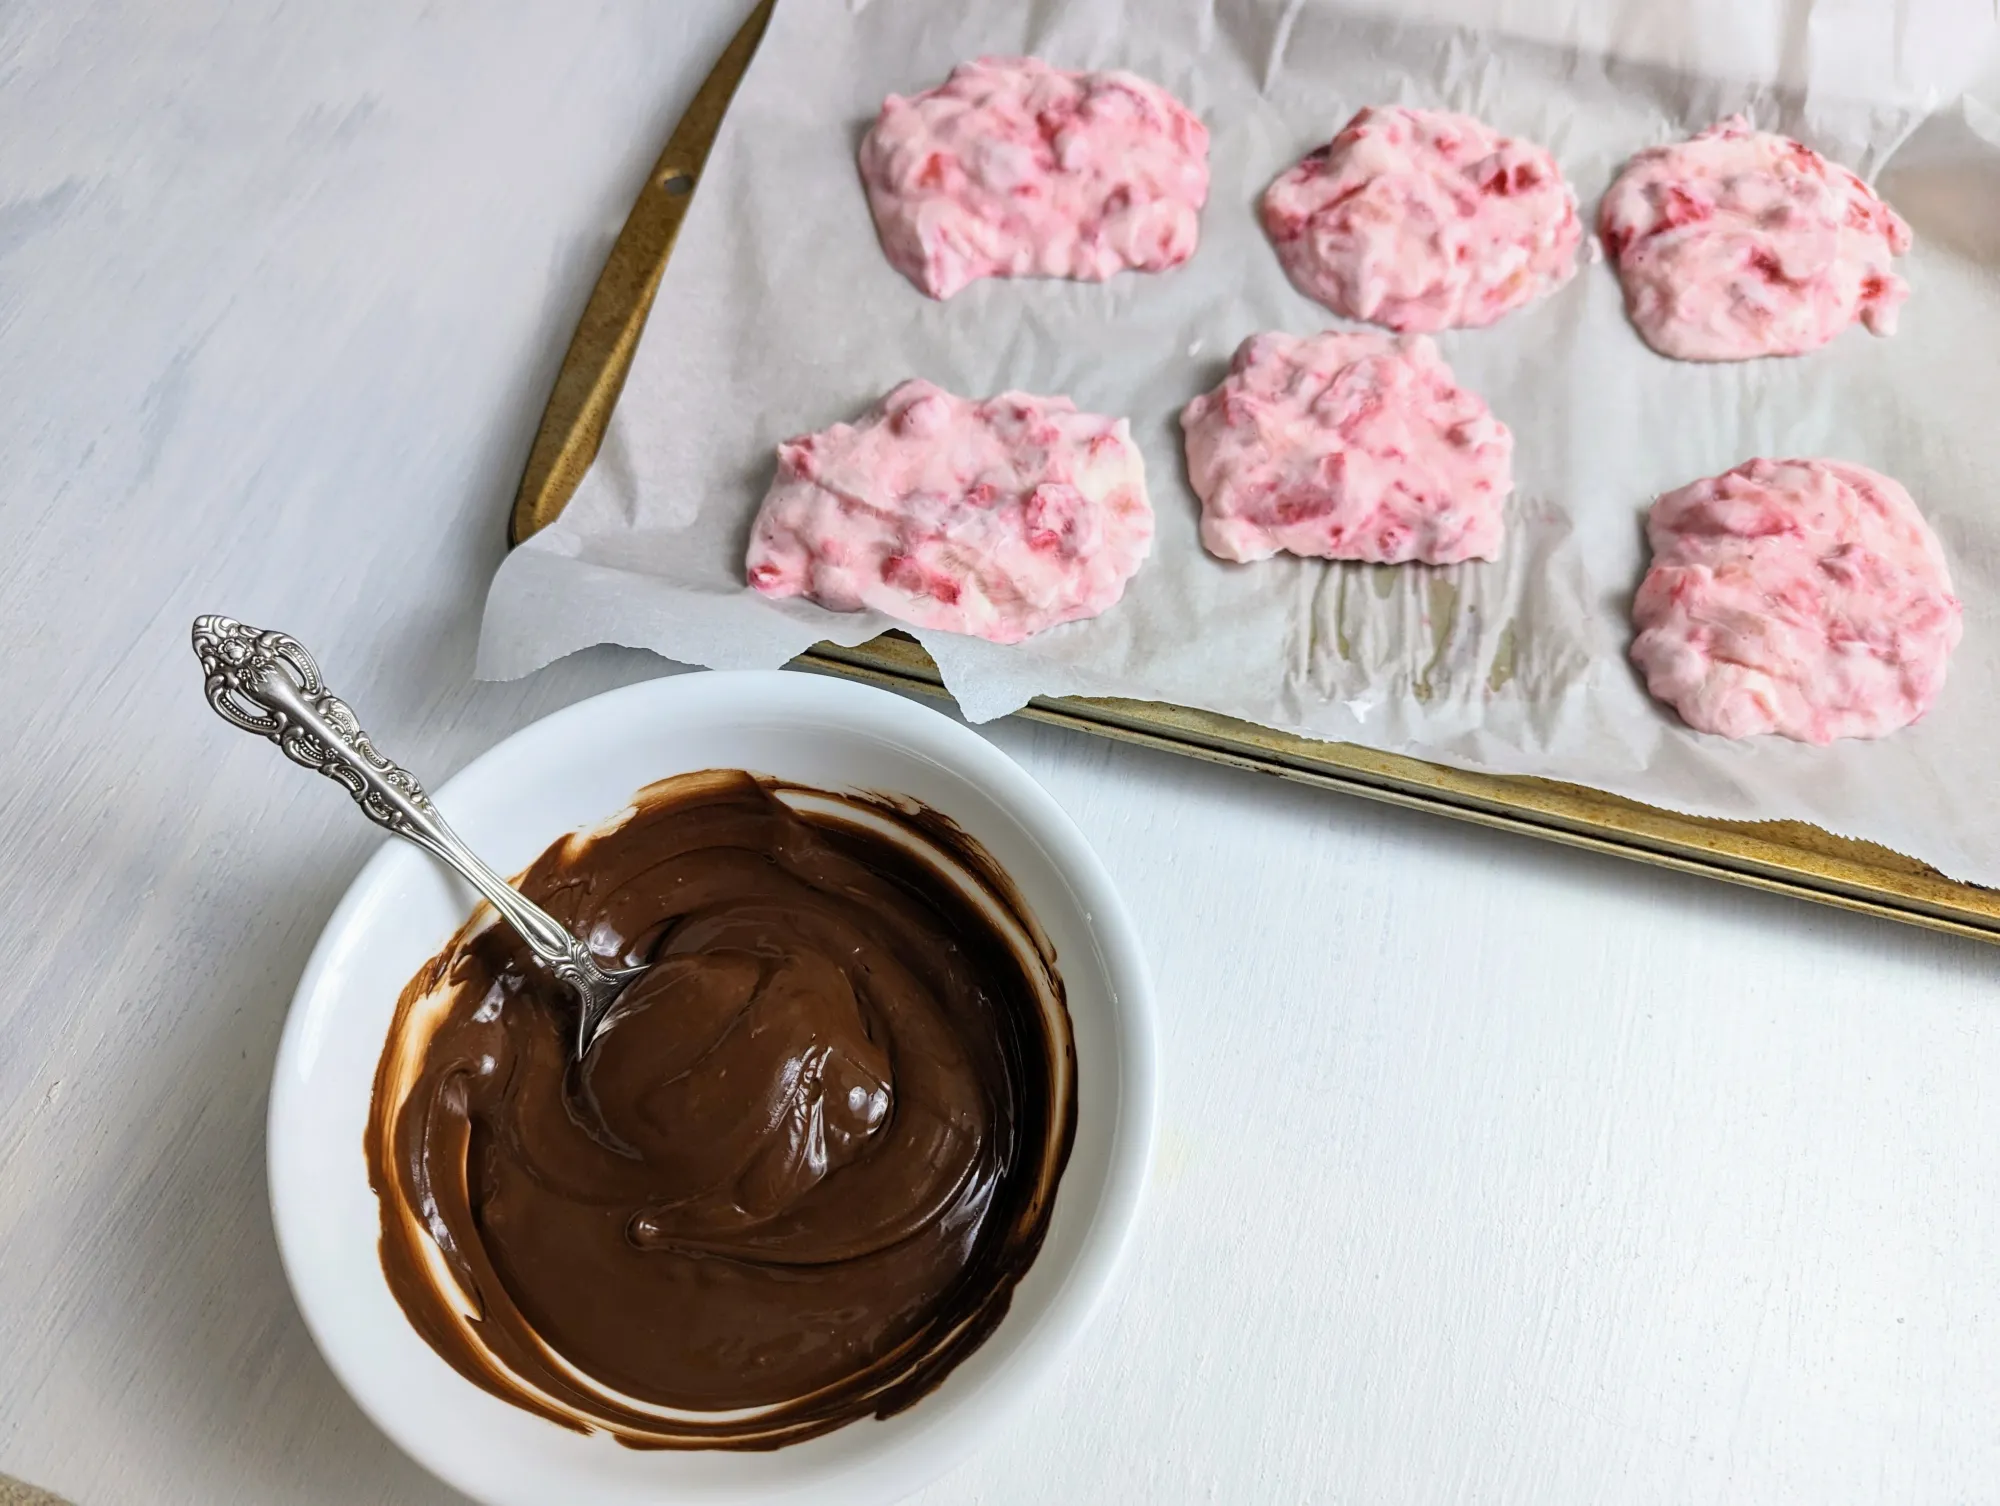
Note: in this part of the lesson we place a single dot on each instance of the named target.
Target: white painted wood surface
(1488, 1172)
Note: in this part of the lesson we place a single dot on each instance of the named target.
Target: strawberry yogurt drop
(1012, 168)
(996, 518)
(1347, 446)
(1803, 597)
(1739, 244)
(1423, 220)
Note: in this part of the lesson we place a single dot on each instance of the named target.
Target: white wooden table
(1488, 1172)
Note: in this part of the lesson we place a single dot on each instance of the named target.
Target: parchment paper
(779, 315)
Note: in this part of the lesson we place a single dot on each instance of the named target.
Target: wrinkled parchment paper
(779, 315)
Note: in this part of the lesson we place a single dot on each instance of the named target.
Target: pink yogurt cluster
(1012, 168)
(1739, 243)
(1803, 597)
(1347, 446)
(998, 518)
(1424, 220)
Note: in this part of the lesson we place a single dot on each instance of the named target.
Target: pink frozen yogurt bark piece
(1424, 220)
(1012, 168)
(1803, 597)
(996, 518)
(1739, 244)
(1347, 446)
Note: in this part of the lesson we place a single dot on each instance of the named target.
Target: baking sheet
(778, 315)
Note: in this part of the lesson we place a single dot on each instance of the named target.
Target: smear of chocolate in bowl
(797, 1178)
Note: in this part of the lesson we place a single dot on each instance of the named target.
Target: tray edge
(1779, 857)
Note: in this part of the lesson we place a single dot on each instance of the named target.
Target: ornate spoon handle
(267, 683)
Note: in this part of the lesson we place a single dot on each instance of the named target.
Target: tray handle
(600, 353)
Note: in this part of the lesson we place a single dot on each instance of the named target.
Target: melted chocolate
(802, 1167)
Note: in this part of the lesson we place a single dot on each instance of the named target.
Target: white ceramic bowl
(576, 769)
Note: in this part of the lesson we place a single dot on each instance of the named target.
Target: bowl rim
(770, 698)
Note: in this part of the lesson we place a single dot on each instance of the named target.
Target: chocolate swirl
(800, 1171)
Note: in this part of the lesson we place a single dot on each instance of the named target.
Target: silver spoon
(267, 683)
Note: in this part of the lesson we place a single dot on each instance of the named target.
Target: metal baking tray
(1784, 857)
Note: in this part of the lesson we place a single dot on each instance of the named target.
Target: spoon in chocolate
(267, 683)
